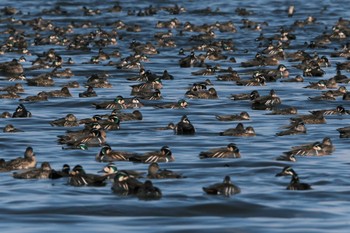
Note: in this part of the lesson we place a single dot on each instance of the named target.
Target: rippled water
(264, 204)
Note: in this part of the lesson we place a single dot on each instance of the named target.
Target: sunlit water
(264, 205)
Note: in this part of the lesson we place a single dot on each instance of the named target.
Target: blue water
(264, 205)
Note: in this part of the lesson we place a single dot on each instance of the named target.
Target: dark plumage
(226, 188)
(294, 183)
(230, 151)
(184, 127)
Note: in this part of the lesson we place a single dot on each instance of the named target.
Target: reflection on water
(35, 205)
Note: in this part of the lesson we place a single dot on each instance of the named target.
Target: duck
(180, 104)
(239, 131)
(339, 92)
(78, 177)
(21, 111)
(43, 80)
(111, 123)
(111, 170)
(295, 128)
(150, 95)
(70, 120)
(328, 95)
(135, 115)
(313, 149)
(41, 96)
(10, 95)
(20, 163)
(295, 183)
(232, 76)
(255, 81)
(190, 61)
(16, 88)
(163, 155)
(147, 191)
(12, 67)
(64, 172)
(155, 172)
(184, 127)
(5, 114)
(344, 132)
(314, 118)
(117, 103)
(106, 154)
(235, 117)
(211, 93)
(225, 188)
(125, 185)
(9, 128)
(90, 92)
(230, 151)
(284, 111)
(339, 110)
(36, 173)
(98, 81)
(287, 157)
(170, 126)
(62, 93)
(297, 79)
(264, 102)
(146, 86)
(245, 96)
(95, 138)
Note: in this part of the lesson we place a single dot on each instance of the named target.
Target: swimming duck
(64, 92)
(111, 123)
(43, 80)
(88, 93)
(239, 131)
(106, 154)
(245, 96)
(284, 111)
(268, 101)
(69, 120)
(21, 111)
(170, 126)
(260, 60)
(190, 61)
(255, 81)
(125, 185)
(203, 94)
(328, 95)
(226, 188)
(36, 173)
(297, 78)
(154, 172)
(41, 96)
(117, 103)
(111, 170)
(150, 95)
(64, 172)
(313, 149)
(16, 88)
(26, 162)
(339, 92)
(163, 155)
(125, 116)
(10, 95)
(147, 191)
(11, 67)
(98, 81)
(184, 127)
(295, 182)
(95, 137)
(235, 117)
(78, 177)
(5, 115)
(339, 110)
(9, 128)
(72, 84)
(319, 85)
(147, 86)
(209, 70)
(297, 127)
(315, 118)
(178, 105)
(232, 76)
(230, 151)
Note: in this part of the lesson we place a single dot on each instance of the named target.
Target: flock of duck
(211, 46)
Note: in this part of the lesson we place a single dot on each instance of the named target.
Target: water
(263, 205)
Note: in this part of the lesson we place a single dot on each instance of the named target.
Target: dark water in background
(263, 206)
